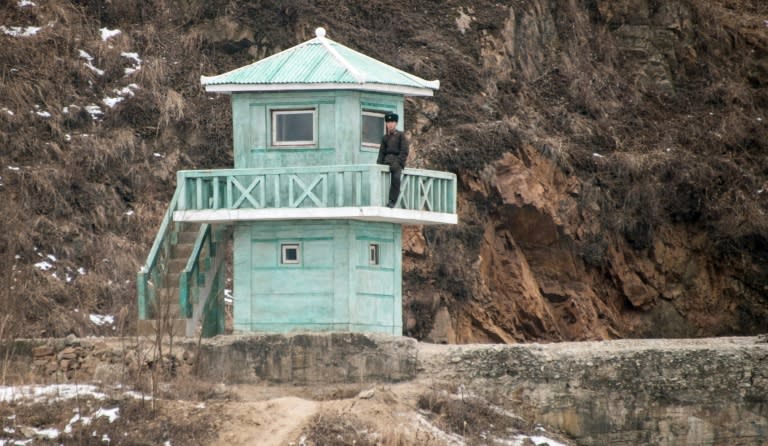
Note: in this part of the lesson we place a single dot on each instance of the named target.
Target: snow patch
(47, 393)
(538, 440)
(99, 319)
(135, 59)
(111, 102)
(89, 62)
(94, 110)
(43, 266)
(107, 33)
(121, 95)
(25, 3)
(18, 31)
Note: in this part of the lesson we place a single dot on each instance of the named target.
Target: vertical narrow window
(290, 254)
(373, 254)
(373, 128)
(293, 127)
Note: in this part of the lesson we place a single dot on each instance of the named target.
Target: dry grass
(175, 423)
(475, 419)
(343, 428)
(568, 91)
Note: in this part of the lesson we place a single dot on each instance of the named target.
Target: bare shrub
(172, 108)
(472, 417)
(339, 429)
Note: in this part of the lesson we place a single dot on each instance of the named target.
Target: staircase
(165, 315)
(181, 286)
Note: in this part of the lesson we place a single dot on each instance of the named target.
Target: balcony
(357, 192)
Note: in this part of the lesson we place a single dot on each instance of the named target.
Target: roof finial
(320, 32)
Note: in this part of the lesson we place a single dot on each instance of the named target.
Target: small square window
(290, 254)
(373, 254)
(373, 128)
(293, 127)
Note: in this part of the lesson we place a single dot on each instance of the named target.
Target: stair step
(172, 278)
(186, 237)
(176, 265)
(182, 250)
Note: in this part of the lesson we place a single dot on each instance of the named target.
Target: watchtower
(314, 246)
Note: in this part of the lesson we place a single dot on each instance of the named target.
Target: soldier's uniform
(393, 152)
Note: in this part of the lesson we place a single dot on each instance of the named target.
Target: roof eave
(380, 88)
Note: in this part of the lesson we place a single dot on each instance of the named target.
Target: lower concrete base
(629, 392)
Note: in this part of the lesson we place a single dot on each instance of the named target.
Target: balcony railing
(346, 186)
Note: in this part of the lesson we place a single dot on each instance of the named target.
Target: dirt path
(272, 422)
(265, 416)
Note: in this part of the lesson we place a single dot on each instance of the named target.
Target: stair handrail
(191, 272)
(144, 274)
(202, 281)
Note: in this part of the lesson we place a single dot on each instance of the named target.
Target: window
(293, 127)
(373, 128)
(290, 254)
(373, 254)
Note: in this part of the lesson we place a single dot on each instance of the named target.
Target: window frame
(284, 247)
(275, 112)
(376, 113)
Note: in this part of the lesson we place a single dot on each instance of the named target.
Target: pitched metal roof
(320, 64)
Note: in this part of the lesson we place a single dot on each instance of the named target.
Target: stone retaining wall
(631, 392)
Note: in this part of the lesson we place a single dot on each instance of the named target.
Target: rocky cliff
(611, 155)
(602, 156)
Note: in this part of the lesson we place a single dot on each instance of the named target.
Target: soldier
(393, 152)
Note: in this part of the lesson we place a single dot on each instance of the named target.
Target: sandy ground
(263, 415)
(271, 422)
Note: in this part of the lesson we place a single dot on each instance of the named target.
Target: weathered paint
(332, 288)
(337, 122)
(326, 195)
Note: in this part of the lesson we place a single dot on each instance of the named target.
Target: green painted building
(314, 246)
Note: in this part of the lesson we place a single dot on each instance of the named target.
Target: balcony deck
(357, 192)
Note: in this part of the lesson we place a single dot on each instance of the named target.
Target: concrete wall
(630, 392)
(333, 287)
(633, 392)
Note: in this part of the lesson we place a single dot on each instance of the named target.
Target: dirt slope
(611, 156)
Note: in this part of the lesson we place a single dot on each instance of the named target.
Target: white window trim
(284, 247)
(371, 113)
(274, 114)
(374, 254)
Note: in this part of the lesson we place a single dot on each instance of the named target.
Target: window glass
(373, 128)
(293, 127)
(290, 253)
(373, 254)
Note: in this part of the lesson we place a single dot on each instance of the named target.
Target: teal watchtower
(314, 246)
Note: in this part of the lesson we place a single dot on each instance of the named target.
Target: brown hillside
(611, 156)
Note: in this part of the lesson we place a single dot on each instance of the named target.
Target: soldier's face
(391, 125)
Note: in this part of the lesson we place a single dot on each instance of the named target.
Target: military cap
(390, 117)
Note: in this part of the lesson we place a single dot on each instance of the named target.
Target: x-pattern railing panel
(318, 187)
(308, 191)
(245, 193)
